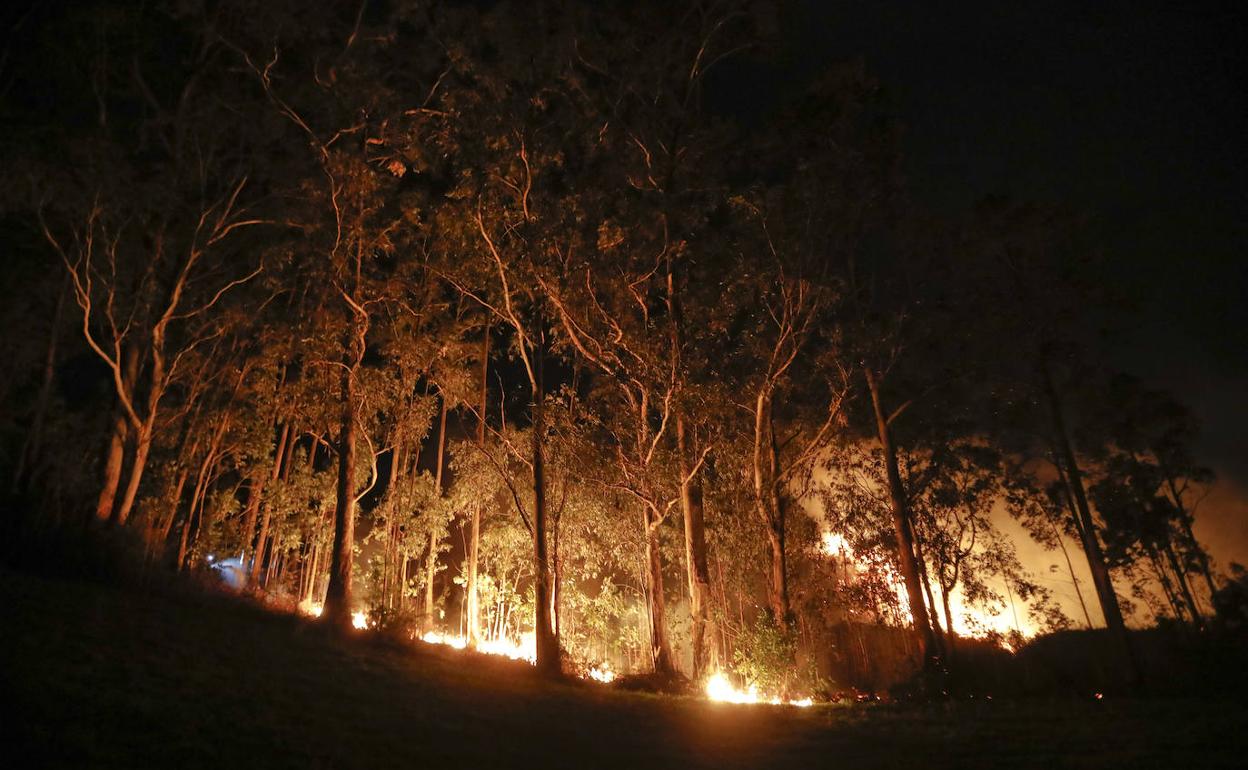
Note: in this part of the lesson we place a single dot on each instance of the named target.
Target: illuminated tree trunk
(660, 646)
(548, 655)
(338, 592)
(902, 527)
(937, 631)
(770, 507)
(138, 463)
(950, 636)
(431, 563)
(691, 508)
(265, 512)
(474, 534)
(116, 445)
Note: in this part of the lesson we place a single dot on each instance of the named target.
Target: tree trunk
(161, 531)
(548, 655)
(695, 553)
(660, 647)
(338, 593)
(902, 528)
(937, 632)
(431, 563)
(769, 505)
(950, 636)
(1087, 528)
(142, 447)
(116, 445)
(1184, 588)
(1166, 588)
(691, 507)
(1185, 522)
(257, 560)
(474, 535)
(1074, 581)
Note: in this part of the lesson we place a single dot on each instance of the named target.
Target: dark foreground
(97, 676)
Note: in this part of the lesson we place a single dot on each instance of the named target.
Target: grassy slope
(100, 676)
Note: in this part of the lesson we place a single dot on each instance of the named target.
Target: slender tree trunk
(1167, 588)
(660, 646)
(1185, 522)
(142, 447)
(1087, 527)
(937, 632)
(116, 445)
(338, 592)
(902, 528)
(1184, 588)
(769, 504)
(691, 507)
(257, 560)
(160, 533)
(1074, 581)
(431, 563)
(950, 636)
(474, 536)
(548, 654)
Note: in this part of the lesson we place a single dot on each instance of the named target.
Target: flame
(359, 620)
(718, 688)
(602, 673)
(525, 650)
(310, 608)
(968, 622)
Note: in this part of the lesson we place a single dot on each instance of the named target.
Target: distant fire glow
(968, 622)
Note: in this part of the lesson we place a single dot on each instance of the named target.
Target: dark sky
(1134, 113)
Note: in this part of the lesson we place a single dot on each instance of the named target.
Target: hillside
(124, 677)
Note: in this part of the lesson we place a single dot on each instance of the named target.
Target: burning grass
(101, 676)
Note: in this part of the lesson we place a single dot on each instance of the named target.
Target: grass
(104, 676)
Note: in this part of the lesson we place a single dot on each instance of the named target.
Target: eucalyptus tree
(151, 226)
(1032, 266)
(506, 134)
(341, 89)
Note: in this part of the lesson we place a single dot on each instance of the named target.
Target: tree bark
(691, 508)
(769, 504)
(548, 655)
(474, 535)
(116, 444)
(902, 527)
(660, 646)
(266, 512)
(431, 562)
(937, 631)
(337, 610)
(950, 636)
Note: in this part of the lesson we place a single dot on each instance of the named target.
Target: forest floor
(103, 676)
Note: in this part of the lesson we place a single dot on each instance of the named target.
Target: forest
(597, 335)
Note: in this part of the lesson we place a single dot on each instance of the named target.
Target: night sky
(1134, 114)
